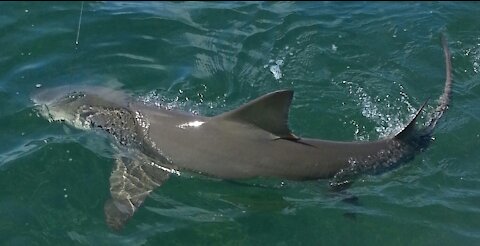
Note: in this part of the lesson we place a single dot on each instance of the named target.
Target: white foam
(334, 47)
(382, 112)
(274, 65)
(277, 73)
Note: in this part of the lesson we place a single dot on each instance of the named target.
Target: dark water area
(359, 71)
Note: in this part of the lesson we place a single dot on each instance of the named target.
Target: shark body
(253, 140)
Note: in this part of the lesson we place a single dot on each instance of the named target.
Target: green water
(359, 70)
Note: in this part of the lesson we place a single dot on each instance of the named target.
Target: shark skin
(253, 140)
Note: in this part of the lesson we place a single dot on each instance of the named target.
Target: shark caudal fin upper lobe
(444, 99)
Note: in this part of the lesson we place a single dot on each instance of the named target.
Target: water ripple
(358, 70)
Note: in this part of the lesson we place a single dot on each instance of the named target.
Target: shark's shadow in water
(253, 140)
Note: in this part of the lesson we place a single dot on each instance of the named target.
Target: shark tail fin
(444, 99)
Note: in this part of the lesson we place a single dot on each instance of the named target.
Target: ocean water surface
(359, 71)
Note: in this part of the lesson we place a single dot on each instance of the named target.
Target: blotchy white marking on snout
(191, 124)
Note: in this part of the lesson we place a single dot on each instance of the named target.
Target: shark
(253, 140)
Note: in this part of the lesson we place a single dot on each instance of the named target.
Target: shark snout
(50, 96)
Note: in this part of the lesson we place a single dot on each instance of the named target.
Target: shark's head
(74, 104)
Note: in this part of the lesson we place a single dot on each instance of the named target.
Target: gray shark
(253, 140)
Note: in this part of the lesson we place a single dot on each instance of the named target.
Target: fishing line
(79, 24)
(78, 36)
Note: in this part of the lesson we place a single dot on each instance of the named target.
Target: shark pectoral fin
(411, 125)
(269, 112)
(130, 183)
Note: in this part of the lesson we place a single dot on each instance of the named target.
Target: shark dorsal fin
(269, 112)
(409, 129)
